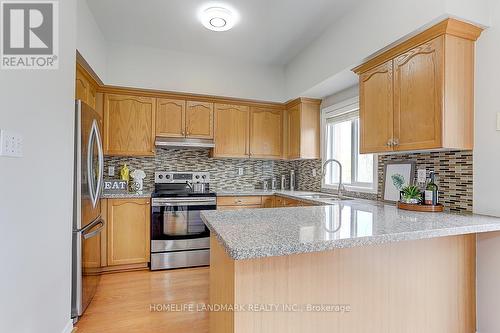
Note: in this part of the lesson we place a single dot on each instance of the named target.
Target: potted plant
(411, 195)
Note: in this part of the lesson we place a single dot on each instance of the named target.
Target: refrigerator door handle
(101, 161)
(94, 191)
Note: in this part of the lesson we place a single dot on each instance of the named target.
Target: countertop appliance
(179, 238)
(87, 221)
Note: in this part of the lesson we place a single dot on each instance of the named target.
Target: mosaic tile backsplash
(223, 172)
(453, 169)
(453, 175)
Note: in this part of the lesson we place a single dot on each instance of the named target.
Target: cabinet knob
(389, 143)
(395, 142)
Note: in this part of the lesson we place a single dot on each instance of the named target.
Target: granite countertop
(145, 194)
(255, 233)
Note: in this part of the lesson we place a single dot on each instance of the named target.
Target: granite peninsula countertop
(255, 233)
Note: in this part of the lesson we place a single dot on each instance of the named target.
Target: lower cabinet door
(128, 231)
(268, 201)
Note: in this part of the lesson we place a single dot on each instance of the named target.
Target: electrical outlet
(421, 175)
(314, 172)
(11, 144)
(240, 171)
(111, 171)
(498, 121)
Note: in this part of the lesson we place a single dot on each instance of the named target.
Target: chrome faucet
(323, 174)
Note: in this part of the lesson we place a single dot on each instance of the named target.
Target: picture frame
(396, 176)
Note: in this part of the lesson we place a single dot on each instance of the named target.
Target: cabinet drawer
(239, 201)
(238, 207)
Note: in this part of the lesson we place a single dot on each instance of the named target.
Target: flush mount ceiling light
(218, 18)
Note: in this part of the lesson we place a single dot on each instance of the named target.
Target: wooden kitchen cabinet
(302, 129)
(170, 118)
(376, 109)
(265, 133)
(86, 91)
(176, 118)
(129, 125)
(419, 95)
(128, 231)
(231, 131)
(268, 201)
(199, 120)
(238, 207)
(250, 200)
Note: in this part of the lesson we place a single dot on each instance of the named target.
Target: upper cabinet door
(294, 131)
(82, 87)
(171, 118)
(231, 130)
(92, 96)
(265, 133)
(418, 97)
(376, 109)
(200, 120)
(129, 125)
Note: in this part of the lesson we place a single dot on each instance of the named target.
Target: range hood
(184, 143)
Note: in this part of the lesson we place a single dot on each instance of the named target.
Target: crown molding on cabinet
(448, 26)
(109, 89)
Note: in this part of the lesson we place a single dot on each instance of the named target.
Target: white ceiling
(269, 32)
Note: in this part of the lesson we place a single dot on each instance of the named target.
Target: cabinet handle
(389, 143)
(395, 142)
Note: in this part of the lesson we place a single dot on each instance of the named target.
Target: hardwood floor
(122, 302)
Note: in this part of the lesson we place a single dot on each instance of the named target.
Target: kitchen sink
(318, 196)
(325, 197)
(337, 199)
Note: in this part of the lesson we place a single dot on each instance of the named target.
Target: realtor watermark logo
(30, 35)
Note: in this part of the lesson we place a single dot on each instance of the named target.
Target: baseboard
(69, 327)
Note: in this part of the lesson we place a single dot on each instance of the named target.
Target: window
(340, 125)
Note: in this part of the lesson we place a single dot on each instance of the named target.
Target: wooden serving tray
(421, 208)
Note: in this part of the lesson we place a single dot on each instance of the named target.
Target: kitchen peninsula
(390, 269)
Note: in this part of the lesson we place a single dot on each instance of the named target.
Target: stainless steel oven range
(179, 238)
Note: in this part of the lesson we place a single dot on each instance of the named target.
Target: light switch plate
(11, 144)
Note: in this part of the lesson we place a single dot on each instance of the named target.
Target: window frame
(337, 110)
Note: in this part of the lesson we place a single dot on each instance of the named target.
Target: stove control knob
(167, 176)
(160, 176)
(203, 176)
(197, 176)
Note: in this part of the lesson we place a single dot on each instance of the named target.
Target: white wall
(90, 41)
(487, 172)
(365, 30)
(144, 67)
(36, 192)
(340, 96)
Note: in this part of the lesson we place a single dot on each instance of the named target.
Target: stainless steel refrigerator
(87, 221)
